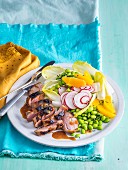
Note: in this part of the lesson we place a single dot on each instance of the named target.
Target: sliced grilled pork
(70, 123)
(35, 88)
(45, 130)
(31, 114)
(37, 121)
(47, 112)
(35, 97)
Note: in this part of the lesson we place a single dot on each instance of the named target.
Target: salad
(84, 91)
(76, 101)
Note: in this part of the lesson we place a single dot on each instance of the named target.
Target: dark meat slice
(35, 97)
(49, 121)
(45, 130)
(37, 121)
(31, 114)
(47, 112)
(70, 123)
(42, 103)
(60, 113)
(35, 88)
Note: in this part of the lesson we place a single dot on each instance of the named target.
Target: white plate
(27, 129)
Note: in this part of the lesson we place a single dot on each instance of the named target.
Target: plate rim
(95, 138)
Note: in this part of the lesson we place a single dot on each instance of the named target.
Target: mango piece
(96, 102)
(105, 112)
(86, 77)
(108, 105)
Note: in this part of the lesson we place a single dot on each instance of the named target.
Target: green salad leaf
(81, 67)
(51, 72)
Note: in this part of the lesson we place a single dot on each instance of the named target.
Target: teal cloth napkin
(63, 43)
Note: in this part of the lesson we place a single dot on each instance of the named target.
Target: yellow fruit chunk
(86, 77)
(75, 82)
(96, 102)
(105, 112)
(108, 105)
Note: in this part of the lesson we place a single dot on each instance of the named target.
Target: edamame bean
(79, 125)
(90, 109)
(72, 134)
(82, 131)
(77, 110)
(106, 120)
(89, 115)
(81, 121)
(93, 116)
(79, 129)
(100, 123)
(95, 126)
(103, 118)
(94, 112)
(79, 117)
(86, 122)
(84, 126)
(99, 128)
(84, 118)
(91, 122)
(90, 127)
(77, 136)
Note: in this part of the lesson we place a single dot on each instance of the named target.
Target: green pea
(67, 71)
(106, 120)
(84, 126)
(72, 134)
(90, 109)
(99, 128)
(90, 127)
(69, 74)
(84, 118)
(103, 118)
(95, 126)
(77, 136)
(94, 112)
(100, 123)
(93, 116)
(82, 131)
(91, 122)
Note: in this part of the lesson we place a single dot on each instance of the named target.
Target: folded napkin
(15, 61)
(63, 43)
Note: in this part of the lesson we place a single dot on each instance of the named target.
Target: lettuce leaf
(52, 95)
(99, 77)
(51, 72)
(81, 67)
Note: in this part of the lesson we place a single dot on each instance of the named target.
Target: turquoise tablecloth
(63, 43)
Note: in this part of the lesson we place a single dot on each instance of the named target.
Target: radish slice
(56, 103)
(61, 90)
(62, 97)
(87, 93)
(87, 87)
(77, 100)
(85, 99)
(82, 87)
(69, 99)
(75, 89)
